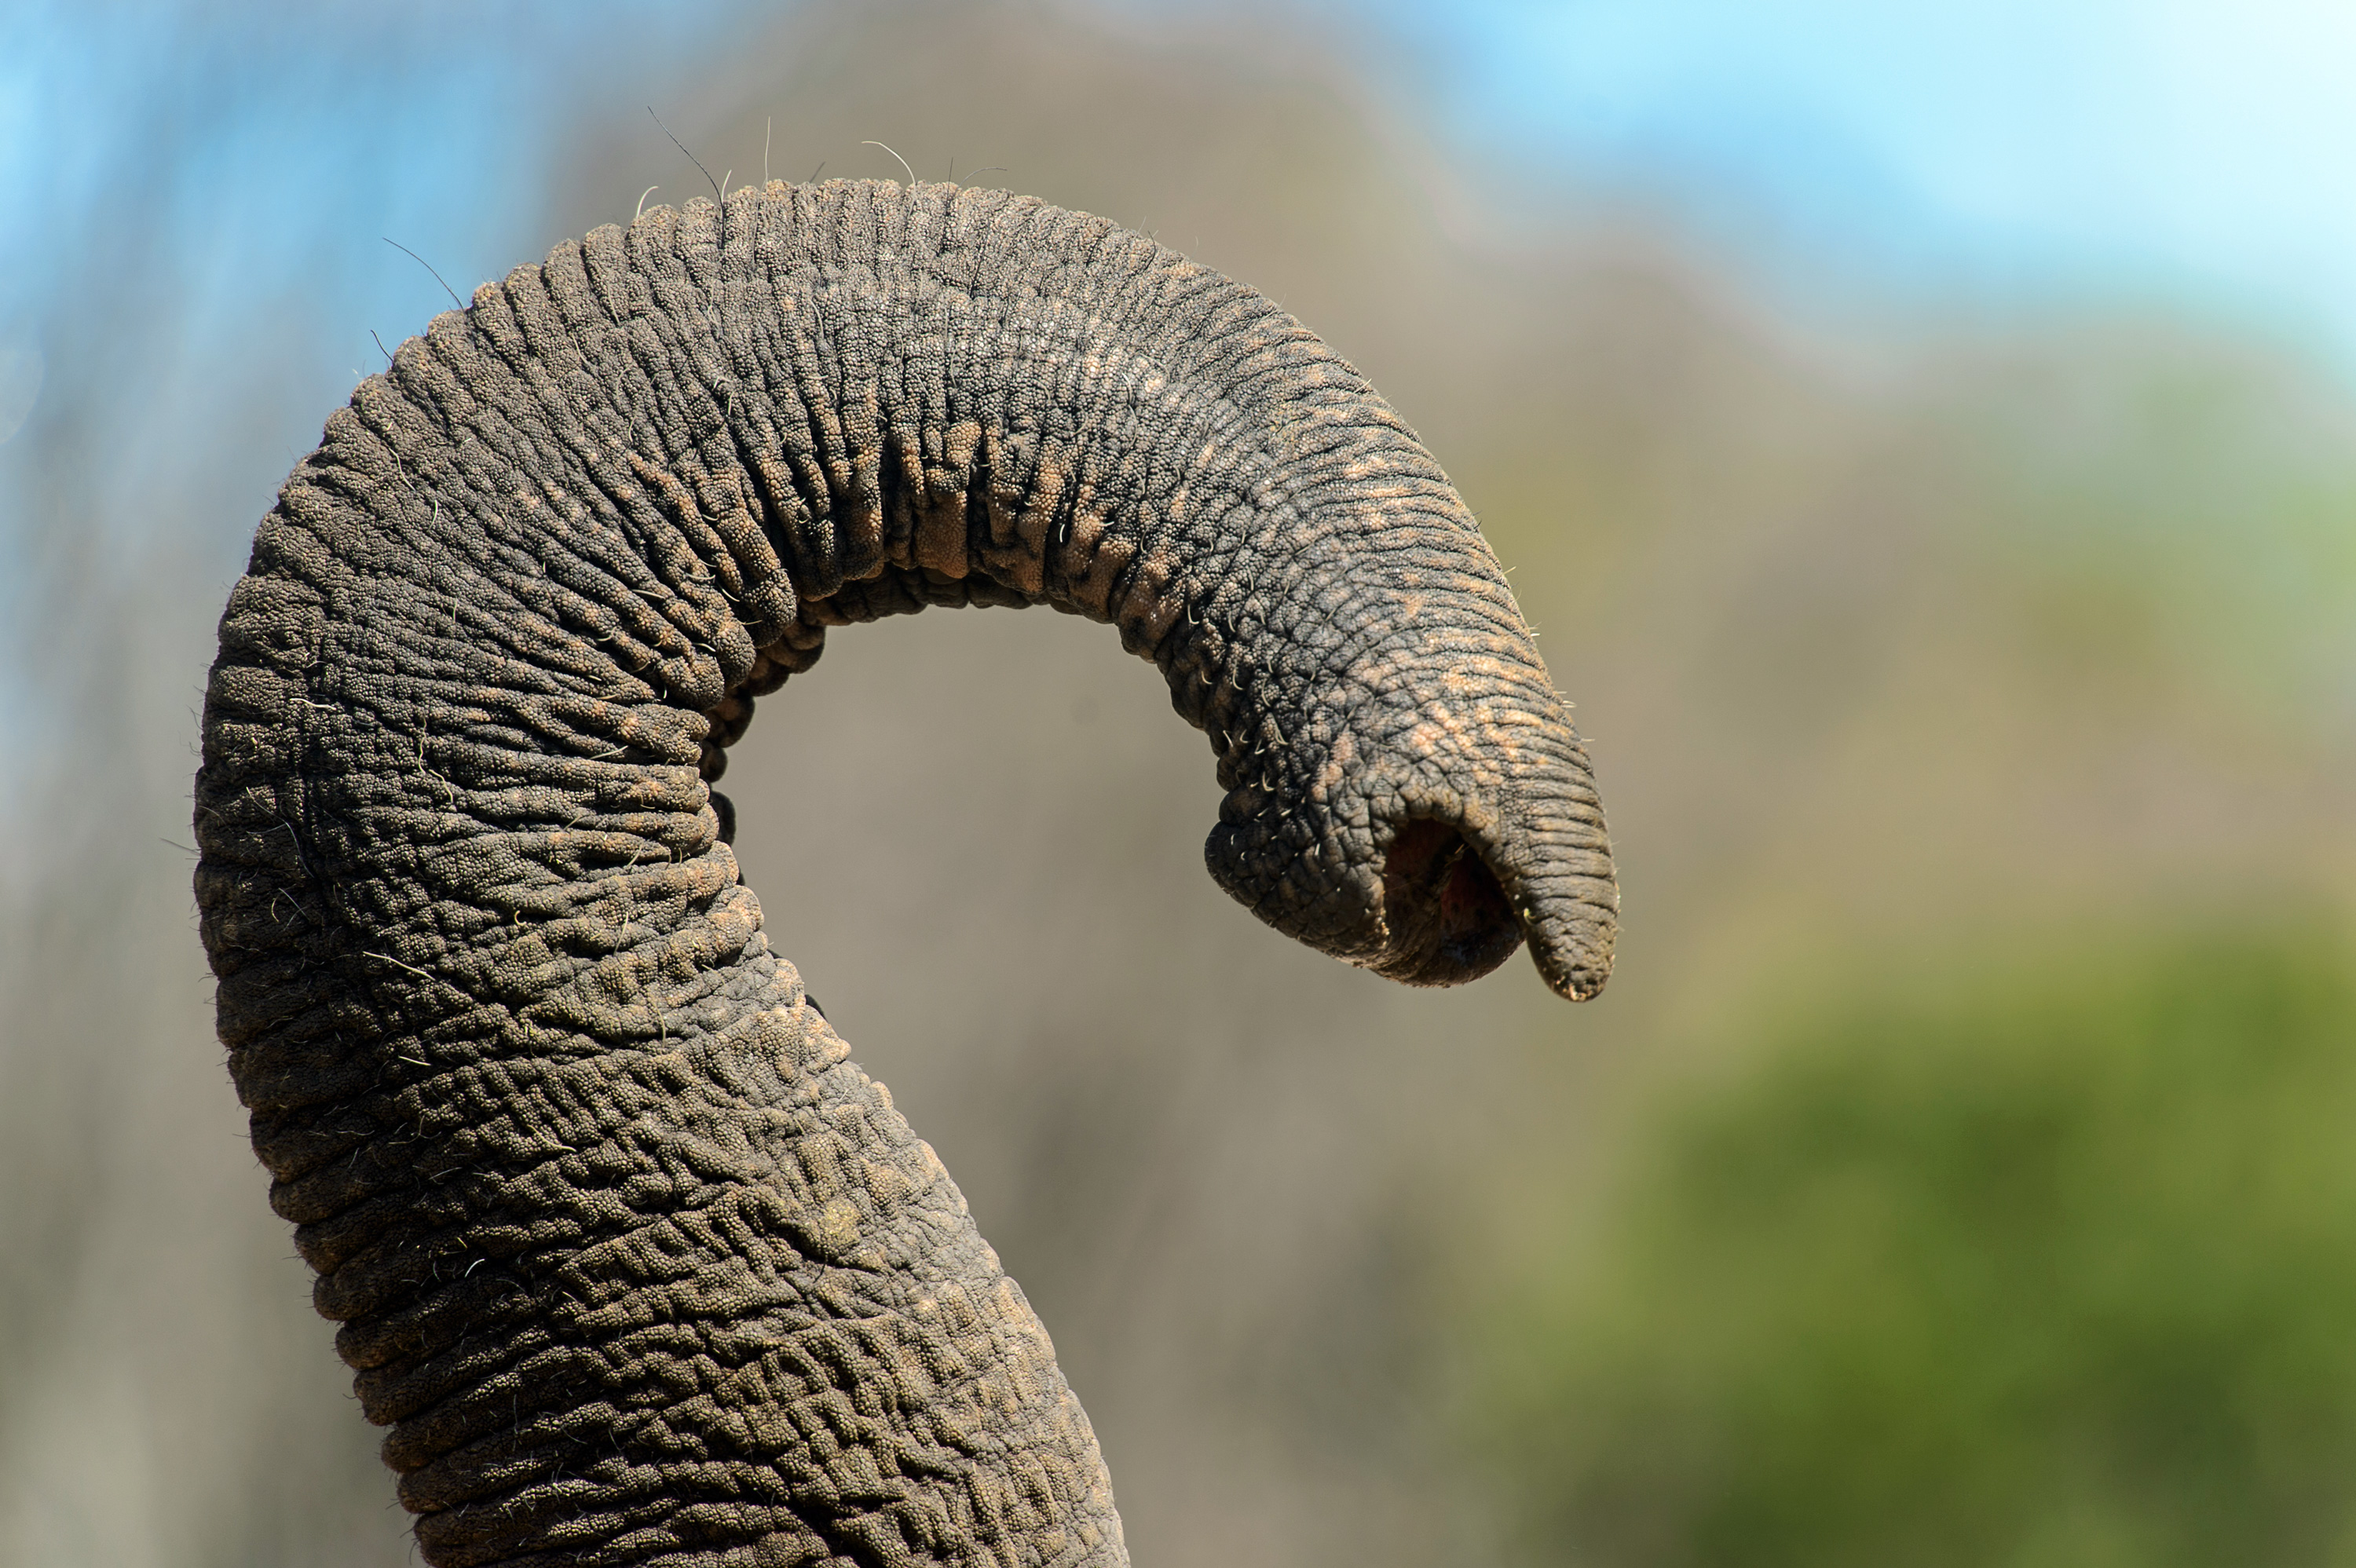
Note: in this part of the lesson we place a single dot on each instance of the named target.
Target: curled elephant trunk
(634, 1262)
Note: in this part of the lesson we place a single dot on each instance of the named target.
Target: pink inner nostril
(1475, 913)
(1450, 920)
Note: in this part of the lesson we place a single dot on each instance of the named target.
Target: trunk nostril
(1448, 920)
(1476, 920)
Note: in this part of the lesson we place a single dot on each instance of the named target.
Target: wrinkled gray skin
(634, 1264)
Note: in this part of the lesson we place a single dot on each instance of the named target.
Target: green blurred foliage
(2040, 1266)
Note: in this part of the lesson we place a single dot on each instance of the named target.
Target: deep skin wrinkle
(633, 1262)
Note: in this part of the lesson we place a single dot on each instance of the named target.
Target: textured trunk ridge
(634, 1262)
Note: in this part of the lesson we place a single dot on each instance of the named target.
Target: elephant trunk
(634, 1262)
(1146, 443)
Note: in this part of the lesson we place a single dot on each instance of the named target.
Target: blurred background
(1925, 439)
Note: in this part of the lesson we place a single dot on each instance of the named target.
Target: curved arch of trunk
(634, 1262)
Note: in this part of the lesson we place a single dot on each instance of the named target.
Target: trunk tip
(1573, 950)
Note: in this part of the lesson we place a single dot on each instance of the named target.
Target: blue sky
(2196, 151)
(221, 161)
